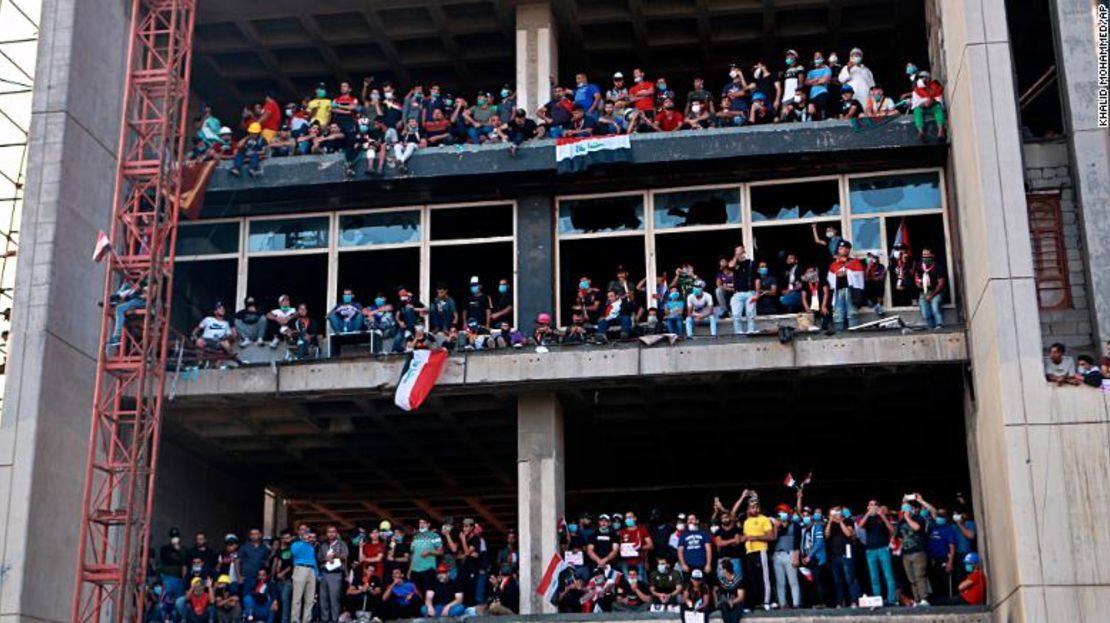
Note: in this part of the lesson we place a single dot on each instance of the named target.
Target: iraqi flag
(580, 152)
(418, 377)
(103, 246)
(549, 584)
(789, 480)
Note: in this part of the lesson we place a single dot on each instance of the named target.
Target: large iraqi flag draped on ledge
(418, 377)
(580, 152)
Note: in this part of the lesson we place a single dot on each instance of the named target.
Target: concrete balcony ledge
(538, 157)
(939, 614)
(525, 368)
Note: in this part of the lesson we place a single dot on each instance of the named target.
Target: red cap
(783, 508)
(443, 569)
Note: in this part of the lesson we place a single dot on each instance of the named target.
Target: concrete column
(537, 54)
(540, 492)
(1076, 61)
(535, 235)
(1033, 446)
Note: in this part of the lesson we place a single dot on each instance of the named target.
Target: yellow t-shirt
(320, 108)
(757, 526)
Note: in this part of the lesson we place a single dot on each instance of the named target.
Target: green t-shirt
(425, 542)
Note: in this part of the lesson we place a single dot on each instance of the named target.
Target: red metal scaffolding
(127, 404)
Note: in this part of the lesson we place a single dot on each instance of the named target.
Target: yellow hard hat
(385, 525)
(255, 128)
(194, 582)
(224, 579)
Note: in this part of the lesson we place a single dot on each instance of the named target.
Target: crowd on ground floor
(798, 556)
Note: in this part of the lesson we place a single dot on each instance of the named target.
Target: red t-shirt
(669, 121)
(346, 101)
(272, 114)
(975, 593)
(646, 103)
(371, 550)
(199, 602)
(637, 536)
(436, 127)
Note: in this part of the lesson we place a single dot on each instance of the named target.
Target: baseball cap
(443, 569)
(792, 53)
(385, 525)
(225, 130)
(224, 579)
(697, 574)
(231, 537)
(618, 76)
(603, 516)
(467, 521)
(474, 280)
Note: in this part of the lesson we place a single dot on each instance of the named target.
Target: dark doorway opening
(197, 286)
(303, 277)
(370, 273)
(598, 259)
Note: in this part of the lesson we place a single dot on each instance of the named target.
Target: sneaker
(923, 603)
(244, 342)
(767, 607)
(274, 343)
(234, 172)
(260, 341)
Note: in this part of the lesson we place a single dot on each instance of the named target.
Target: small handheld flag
(103, 246)
(789, 480)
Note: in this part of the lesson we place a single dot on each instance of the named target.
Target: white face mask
(679, 526)
(638, 79)
(734, 74)
(921, 83)
(857, 59)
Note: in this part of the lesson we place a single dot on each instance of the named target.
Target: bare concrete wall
(192, 495)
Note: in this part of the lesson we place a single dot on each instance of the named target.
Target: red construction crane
(127, 404)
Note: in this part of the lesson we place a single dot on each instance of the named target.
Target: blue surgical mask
(347, 298)
(925, 513)
(795, 518)
(362, 127)
(807, 520)
(475, 288)
(321, 93)
(481, 101)
(572, 528)
(449, 102)
(696, 291)
(505, 92)
(630, 523)
(911, 69)
(763, 272)
(941, 521)
(818, 61)
(845, 513)
(673, 296)
(818, 517)
(662, 86)
(789, 61)
(906, 508)
(379, 301)
(784, 516)
(583, 285)
(503, 288)
(969, 568)
(418, 96)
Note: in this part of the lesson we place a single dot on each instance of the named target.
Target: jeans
(286, 591)
(304, 594)
(442, 610)
(730, 613)
(711, 321)
(844, 312)
(121, 315)
(255, 160)
(173, 586)
(252, 332)
(674, 324)
(879, 560)
(791, 302)
(722, 297)
(331, 592)
(403, 151)
(345, 325)
(844, 580)
(916, 565)
(475, 134)
(786, 572)
(743, 304)
(931, 311)
(257, 610)
(625, 322)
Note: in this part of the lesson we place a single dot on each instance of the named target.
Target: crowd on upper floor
(828, 293)
(386, 123)
(1063, 369)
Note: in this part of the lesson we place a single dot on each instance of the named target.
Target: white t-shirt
(699, 305)
(281, 314)
(213, 328)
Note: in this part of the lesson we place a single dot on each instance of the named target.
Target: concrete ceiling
(246, 47)
(353, 458)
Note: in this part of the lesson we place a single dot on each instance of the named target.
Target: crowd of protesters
(384, 124)
(375, 573)
(797, 556)
(829, 293)
(1063, 369)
